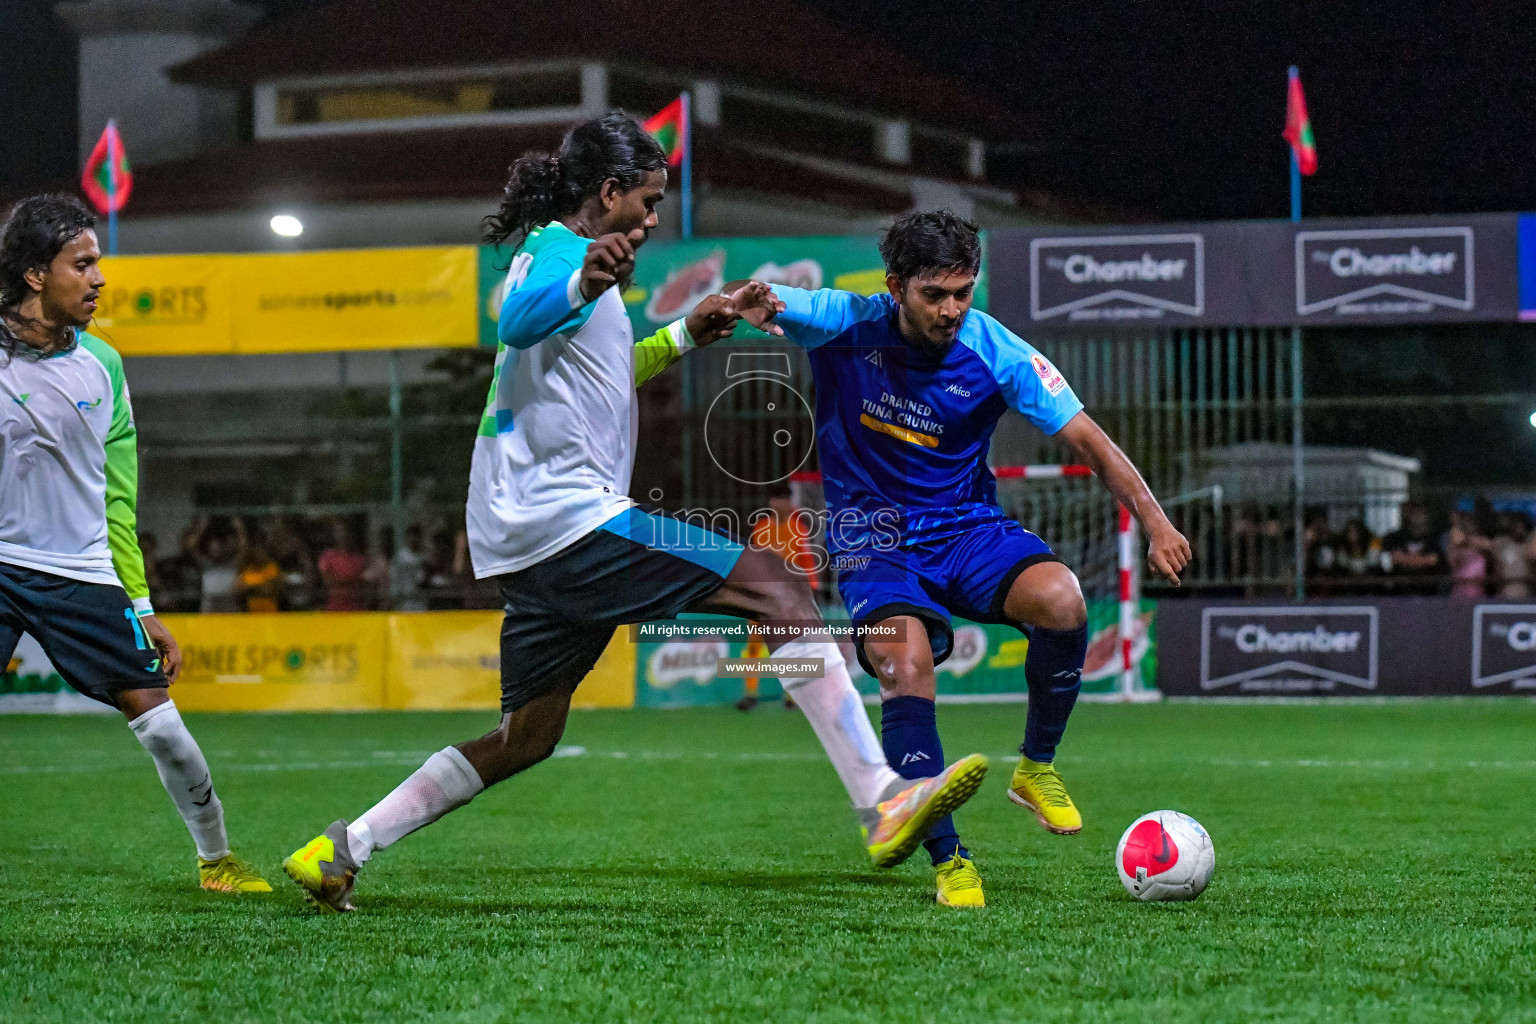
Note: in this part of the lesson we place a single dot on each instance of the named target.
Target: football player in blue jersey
(909, 388)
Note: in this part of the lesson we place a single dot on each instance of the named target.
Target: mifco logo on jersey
(1388, 271)
(1288, 650)
(1124, 277)
(1504, 645)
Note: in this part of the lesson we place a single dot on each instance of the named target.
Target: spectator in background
(443, 590)
(220, 576)
(1466, 555)
(376, 575)
(407, 573)
(1511, 566)
(1354, 553)
(260, 578)
(297, 568)
(341, 569)
(181, 574)
(1414, 552)
(1320, 541)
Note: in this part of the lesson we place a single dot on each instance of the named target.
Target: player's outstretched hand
(757, 305)
(170, 653)
(1168, 553)
(610, 259)
(711, 320)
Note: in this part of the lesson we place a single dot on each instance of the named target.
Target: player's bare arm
(1168, 551)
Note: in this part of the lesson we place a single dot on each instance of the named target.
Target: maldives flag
(1298, 126)
(670, 126)
(108, 160)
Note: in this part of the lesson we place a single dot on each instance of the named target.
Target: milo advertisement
(672, 277)
(987, 663)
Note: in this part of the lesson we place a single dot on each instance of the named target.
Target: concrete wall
(122, 76)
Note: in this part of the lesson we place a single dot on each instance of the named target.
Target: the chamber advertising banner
(1257, 273)
(1395, 646)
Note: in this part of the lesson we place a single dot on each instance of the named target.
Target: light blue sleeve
(1030, 383)
(545, 301)
(813, 318)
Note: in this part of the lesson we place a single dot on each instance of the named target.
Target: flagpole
(112, 188)
(1298, 463)
(687, 185)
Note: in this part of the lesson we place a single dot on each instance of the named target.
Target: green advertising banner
(671, 277)
(987, 663)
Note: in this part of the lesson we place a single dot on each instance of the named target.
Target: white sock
(184, 773)
(447, 781)
(836, 712)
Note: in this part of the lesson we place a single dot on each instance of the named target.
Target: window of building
(395, 100)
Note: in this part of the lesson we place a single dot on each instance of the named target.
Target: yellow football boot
(1039, 787)
(228, 874)
(958, 883)
(905, 817)
(324, 869)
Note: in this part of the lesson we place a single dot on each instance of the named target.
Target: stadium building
(380, 125)
(393, 124)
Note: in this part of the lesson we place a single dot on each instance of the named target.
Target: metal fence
(1194, 408)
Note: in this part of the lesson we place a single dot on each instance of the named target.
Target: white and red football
(1165, 855)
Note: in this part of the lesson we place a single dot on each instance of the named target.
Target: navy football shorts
(967, 575)
(88, 630)
(561, 612)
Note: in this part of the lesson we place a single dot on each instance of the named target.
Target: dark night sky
(1171, 109)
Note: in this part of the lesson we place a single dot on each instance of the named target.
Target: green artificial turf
(1374, 862)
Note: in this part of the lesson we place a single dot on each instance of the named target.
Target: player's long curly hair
(542, 187)
(34, 232)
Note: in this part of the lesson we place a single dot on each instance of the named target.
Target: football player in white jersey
(550, 517)
(71, 573)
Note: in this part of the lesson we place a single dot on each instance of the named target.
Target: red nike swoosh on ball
(1149, 847)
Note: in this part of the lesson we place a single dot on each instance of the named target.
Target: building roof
(774, 44)
(450, 163)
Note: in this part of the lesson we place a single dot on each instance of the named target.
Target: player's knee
(899, 666)
(1061, 602)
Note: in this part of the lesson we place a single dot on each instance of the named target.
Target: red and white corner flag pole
(1128, 603)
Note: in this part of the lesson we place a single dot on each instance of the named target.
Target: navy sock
(1053, 669)
(909, 732)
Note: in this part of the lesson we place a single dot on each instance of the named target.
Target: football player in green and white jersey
(71, 573)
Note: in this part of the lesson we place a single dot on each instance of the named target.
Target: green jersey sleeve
(661, 350)
(122, 470)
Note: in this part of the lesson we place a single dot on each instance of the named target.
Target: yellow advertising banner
(449, 660)
(444, 660)
(356, 299)
(297, 661)
(218, 304)
(167, 305)
(353, 661)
